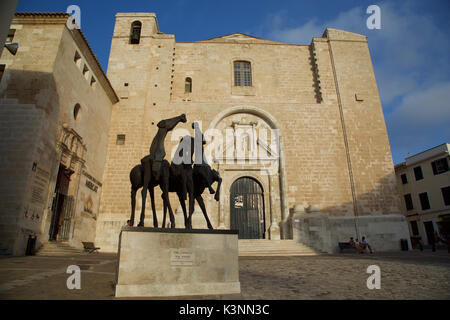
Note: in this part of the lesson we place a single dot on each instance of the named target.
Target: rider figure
(157, 151)
(200, 159)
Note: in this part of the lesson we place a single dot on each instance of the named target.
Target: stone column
(223, 201)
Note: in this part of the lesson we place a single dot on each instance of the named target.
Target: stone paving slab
(404, 275)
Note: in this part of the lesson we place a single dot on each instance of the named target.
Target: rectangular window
(439, 166)
(404, 178)
(424, 202)
(120, 139)
(414, 228)
(10, 37)
(242, 74)
(418, 173)
(2, 71)
(446, 195)
(408, 202)
(188, 85)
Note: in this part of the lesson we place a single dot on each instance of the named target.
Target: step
(57, 249)
(58, 253)
(263, 247)
(9, 101)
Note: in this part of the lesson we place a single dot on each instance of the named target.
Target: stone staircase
(247, 248)
(273, 248)
(9, 101)
(53, 249)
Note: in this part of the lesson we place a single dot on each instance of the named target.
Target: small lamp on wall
(12, 47)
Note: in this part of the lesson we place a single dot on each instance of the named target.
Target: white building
(424, 186)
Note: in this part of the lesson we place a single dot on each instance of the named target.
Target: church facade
(296, 132)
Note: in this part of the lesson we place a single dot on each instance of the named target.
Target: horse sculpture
(155, 170)
(137, 182)
(185, 180)
(200, 184)
(181, 179)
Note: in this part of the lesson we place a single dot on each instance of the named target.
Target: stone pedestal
(156, 262)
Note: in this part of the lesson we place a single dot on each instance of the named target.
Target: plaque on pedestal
(155, 262)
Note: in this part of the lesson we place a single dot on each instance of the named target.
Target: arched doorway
(265, 137)
(247, 208)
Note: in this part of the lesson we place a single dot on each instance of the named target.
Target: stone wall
(38, 93)
(29, 102)
(15, 170)
(92, 124)
(323, 232)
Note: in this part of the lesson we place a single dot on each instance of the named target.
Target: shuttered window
(424, 202)
(439, 166)
(418, 173)
(446, 195)
(408, 202)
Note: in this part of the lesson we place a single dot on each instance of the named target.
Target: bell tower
(140, 69)
(130, 56)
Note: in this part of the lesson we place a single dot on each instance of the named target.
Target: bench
(345, 245)
(90, 247)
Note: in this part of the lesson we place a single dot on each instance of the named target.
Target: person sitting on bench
(364, 244)
(359, 247)
(352, 242)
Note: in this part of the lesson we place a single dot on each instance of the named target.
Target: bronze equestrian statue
(179, 176)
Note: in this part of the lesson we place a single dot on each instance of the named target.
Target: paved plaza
(404, 275)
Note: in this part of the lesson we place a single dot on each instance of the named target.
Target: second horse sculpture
(190, 182)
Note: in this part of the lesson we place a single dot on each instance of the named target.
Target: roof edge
(61, 18)
(115, 97)
(52, 14)
(339, 34)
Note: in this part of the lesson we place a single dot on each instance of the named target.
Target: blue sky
(410, 53)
